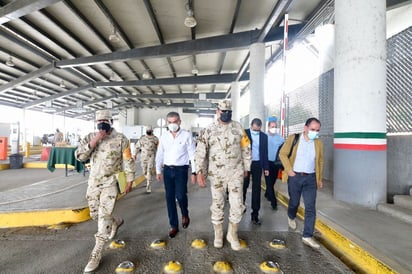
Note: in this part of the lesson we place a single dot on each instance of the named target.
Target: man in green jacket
(303, 173)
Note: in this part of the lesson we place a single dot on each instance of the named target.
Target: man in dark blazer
(259, 146)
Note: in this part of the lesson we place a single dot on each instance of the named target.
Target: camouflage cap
(225, 104)
(103, 114)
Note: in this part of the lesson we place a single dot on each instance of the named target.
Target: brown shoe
(185, 222)
(172, 232)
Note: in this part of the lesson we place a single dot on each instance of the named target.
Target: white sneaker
(115, 226)
(292, 223)
(310, 242)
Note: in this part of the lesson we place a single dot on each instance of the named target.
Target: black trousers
(256, 173)
(270, 183)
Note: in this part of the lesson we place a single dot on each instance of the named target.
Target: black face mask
(149, 132)
(104, 126)
(226, 116)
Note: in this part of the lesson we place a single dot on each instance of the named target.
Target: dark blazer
(263, 148)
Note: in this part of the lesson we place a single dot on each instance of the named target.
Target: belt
(184, 166)
(303, 173)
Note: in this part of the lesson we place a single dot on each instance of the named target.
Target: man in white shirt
(176, 149)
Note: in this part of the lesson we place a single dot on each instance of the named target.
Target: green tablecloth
(63, 155)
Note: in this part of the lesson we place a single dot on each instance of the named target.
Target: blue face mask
(313, 134)
(254, 132)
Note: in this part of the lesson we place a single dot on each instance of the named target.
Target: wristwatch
(193, 173)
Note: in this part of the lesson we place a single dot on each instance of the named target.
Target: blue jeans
(175, 181)
(305, 186)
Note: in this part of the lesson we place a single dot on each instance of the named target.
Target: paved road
(42, 250)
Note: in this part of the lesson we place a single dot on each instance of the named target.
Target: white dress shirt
(175, 151)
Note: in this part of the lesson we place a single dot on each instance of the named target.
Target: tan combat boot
(218, 243)
(232, 236)
(95, 256)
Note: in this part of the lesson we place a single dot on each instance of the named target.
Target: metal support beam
(26, 78)
(19, 8)
(55, 96)
(240, 40)
(188, 80)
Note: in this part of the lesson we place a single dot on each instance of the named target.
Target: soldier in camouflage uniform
(223, 154)
(109, 153)
(147, 146)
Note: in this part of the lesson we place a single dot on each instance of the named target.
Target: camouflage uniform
(223, 154)
(107, 159)
(147, 146)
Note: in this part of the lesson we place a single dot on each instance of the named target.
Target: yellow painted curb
(346, 250)
(50, 217)
(44, 218)
(4, 166)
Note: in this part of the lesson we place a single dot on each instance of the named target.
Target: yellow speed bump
(222, 267)
(125, 267)
(117, 244)
(158, 244)
(270, 267)
(198, 243)
(173, 267)
(243, 243)
(278, 244)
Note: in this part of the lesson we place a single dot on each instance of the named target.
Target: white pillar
(257, 81)
(235, 97)
(360, 102)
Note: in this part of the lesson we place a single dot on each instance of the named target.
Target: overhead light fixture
(159, 92)
(62, 85)
(112, 77)
(190, 20)
(10, 62)
(195, 70)
(146, 74)
(168, 102)
(114, 37)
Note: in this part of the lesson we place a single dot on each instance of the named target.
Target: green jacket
(288, 162)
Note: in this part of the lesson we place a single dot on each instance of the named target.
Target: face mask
(149, 132)
(254, 132)
(313, 134)
(173, 127)
(226, 116)
(104, 126)
(272, 130)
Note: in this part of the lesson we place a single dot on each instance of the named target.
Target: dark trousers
(305, 186)
(175, 181)
(270, 183)
(256, 172)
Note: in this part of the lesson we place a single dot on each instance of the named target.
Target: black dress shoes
(185, 221)
(172, 232)
(256, 221)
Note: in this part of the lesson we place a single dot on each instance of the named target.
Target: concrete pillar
(257, 81)
(360, 102)
(235, 96)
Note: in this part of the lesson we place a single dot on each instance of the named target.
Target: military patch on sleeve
(245, 140)
(127, 153)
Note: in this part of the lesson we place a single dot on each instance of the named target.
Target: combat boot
(95, 256)
(218, 243)
(232, 236)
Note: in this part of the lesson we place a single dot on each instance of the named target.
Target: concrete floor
(42, 250)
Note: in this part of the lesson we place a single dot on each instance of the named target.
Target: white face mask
(272, 130)
(173, 127)
(313, 135)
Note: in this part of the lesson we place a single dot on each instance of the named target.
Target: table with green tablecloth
(63, 155)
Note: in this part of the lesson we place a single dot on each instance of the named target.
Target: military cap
(225, 104)
(103, 114)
